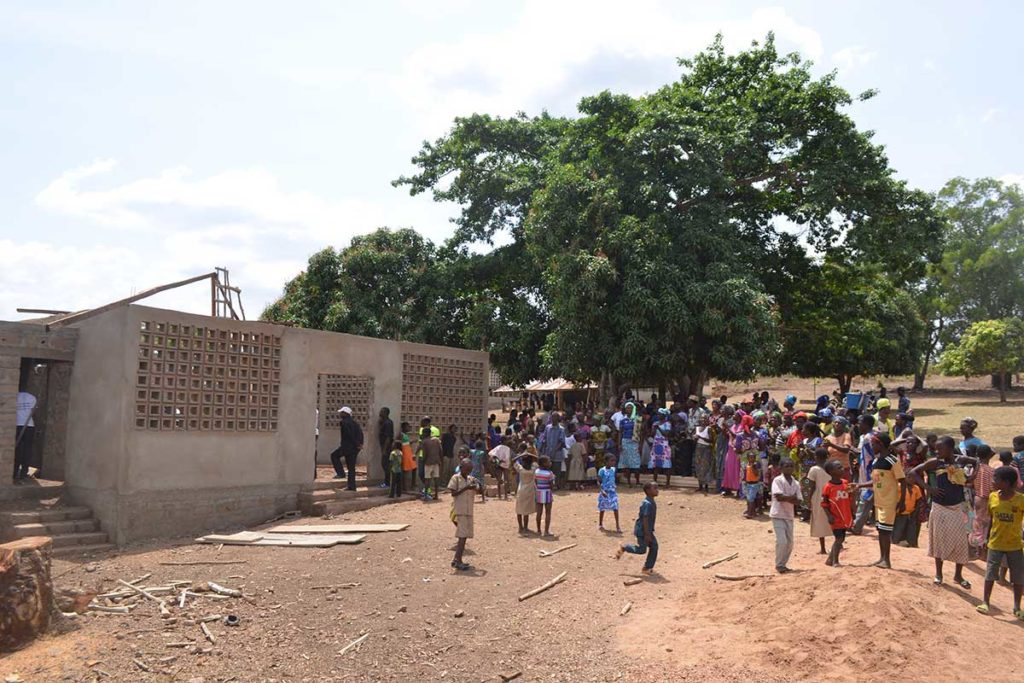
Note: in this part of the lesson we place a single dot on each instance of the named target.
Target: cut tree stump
(26, 590)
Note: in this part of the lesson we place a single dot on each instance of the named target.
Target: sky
(146, 142)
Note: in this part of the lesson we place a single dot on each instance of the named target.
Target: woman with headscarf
(731, 467)
(629, 443)
(661, 449)
(948, 523)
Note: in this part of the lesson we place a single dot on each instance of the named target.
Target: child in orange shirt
(907, 526)
(752, 484)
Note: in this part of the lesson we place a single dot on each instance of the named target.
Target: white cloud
(175, 224)
(990, 114)
(536, 61)
(1013, 179)
(853, 57)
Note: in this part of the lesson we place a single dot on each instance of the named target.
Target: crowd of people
(834, 467)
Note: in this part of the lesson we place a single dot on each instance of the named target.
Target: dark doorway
(49, 381)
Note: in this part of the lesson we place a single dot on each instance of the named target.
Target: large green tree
(391, 284)
(644, 233)
(849, 321)
(980, 275)
(988, 347)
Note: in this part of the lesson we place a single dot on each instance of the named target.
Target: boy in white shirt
(785, 494)
(501, 456)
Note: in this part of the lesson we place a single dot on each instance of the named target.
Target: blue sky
(145, 142)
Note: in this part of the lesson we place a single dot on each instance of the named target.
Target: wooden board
(336, 528)
(240, 537)
(264, 539)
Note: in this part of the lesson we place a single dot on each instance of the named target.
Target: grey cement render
(144, 484)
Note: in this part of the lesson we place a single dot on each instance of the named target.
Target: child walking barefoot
(835, 500)
(545, 480)
(461, 484)
(608, 498)
(526, 494)
(820, 527)
(646, 542)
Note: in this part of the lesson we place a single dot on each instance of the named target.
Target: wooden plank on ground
(241, 538)
(336, 528)
(298, 541)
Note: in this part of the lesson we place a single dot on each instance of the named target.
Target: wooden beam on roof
(42, 311)
(85, 315)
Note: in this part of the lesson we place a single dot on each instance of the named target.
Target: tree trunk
(844, 383)
(1003, 381)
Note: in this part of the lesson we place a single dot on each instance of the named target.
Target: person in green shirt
(395, 469)
(1006, 508)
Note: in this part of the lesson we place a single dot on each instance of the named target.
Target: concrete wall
(144, 483)
(17, 341)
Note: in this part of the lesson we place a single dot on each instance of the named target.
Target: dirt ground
(427, 622)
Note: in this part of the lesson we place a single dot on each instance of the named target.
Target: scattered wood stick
(193, 563)
(712, 563)
(340, 585)
(181, 600)
(140, 591)
(625, 609)
(142, 665)
(212, 617)
(206, 632)
(140, 579)
(354, 643)
(632, 582)
(187, 643)
(221, 590)
(164, 612)
(536, 591)
(549, 553)
(109, 610)
(505, 678)
(741, 577)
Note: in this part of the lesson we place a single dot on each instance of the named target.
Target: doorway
(49, 383)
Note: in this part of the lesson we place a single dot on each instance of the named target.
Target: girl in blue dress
(629, 444)
(608, 498)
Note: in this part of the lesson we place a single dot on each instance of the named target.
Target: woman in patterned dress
(731, 466)
(661, 450)
(703, 459)
(608, 498)
(629, 443)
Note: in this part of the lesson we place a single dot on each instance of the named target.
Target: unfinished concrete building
(165, 424)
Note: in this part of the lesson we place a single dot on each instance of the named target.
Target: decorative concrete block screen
(193, 378)
(449, 390)
(336, 391)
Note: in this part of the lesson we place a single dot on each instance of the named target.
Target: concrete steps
(73, 529)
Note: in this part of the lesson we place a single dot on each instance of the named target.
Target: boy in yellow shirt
(1006, 508)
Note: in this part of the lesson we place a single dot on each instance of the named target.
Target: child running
(835, 499)
(1006, 510)
(646, 542)
(545, 480)
(608, 498)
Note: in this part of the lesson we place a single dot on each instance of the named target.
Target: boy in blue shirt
(646, 542)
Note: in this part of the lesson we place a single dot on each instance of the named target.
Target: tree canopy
(989, 347)
(652, 223)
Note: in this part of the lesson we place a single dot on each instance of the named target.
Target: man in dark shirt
(385, 437)
(351, 444)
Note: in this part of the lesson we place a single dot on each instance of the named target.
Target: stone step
(340, 507)
(79, 539)
(324, 484)
(92, 549)
(55, 528)
(57, 514)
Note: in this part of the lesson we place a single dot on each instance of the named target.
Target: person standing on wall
(351, 444)
(25, 434)
(385, 437)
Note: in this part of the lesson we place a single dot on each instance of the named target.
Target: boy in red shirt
(835, 498)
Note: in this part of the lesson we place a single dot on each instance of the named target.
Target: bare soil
(427, 622)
